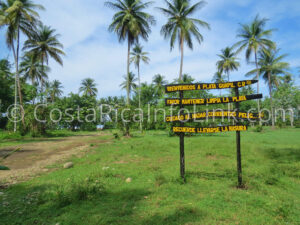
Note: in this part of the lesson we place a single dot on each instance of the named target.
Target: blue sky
(94, 52)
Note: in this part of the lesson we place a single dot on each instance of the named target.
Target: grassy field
(95, 191)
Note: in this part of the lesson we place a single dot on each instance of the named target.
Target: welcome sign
(207, 86)
(182, 117)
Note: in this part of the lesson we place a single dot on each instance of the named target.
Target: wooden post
(181, 142)
(238, 144)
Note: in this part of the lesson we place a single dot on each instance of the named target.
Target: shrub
(258, 128)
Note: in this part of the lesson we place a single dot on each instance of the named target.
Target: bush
(258, 128)
(297, 123)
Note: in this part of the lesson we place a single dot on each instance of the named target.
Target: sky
(92, 51)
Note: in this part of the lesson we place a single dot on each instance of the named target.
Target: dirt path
(33, 158)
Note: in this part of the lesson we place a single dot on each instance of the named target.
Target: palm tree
(186, 78)
(181, 26)
(56, 90)
(287, 78)
(254, 38)
(19, 16)
(228, 61)
(88, 87)
(218, 78)
(159, 82)
(129, 82)
(32, 70)
(138, 56)
(44, 44)
(130, 22)
(270, 66)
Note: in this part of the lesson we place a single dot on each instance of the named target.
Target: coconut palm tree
(159, 83)
(44, 44)
(186, 78)
(270, 67)
(254, 37)
(181, 26)
(32, 70)
(88, 87)
(56, 90)
(218, 78)
(228, 61)
(129, 82)
(138, 56)
(130, 22)
(20, 17)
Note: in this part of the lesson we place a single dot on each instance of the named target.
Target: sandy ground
(33, 158)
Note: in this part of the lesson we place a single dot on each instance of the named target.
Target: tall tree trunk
(271, 100)
(128, 63)
(182, 55)
(17, 81)
(257, 78)
(138, 67)
(16, 101)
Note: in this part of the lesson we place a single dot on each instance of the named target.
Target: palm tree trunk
(128, 63)
(17, 80)
(182, 55)
(271, 100)
(257, 78)
(141, 127)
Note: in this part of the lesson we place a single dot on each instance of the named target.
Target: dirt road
(33, 158)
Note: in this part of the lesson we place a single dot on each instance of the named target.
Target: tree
(43, 45)
(186, 78)
(159, 82)
(138, 56)
(6, 90)
(5, 67)
(254, 38)
(19, 16)
(218, 78)
(181, 26)
(33, 70)
(56, 90)
(228, 61)
(130, 22)
(129, 82)
(270, 67)
(88, 87)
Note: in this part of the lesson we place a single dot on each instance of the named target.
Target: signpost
(185, 117)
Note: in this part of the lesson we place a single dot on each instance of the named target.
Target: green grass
(95, 191)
